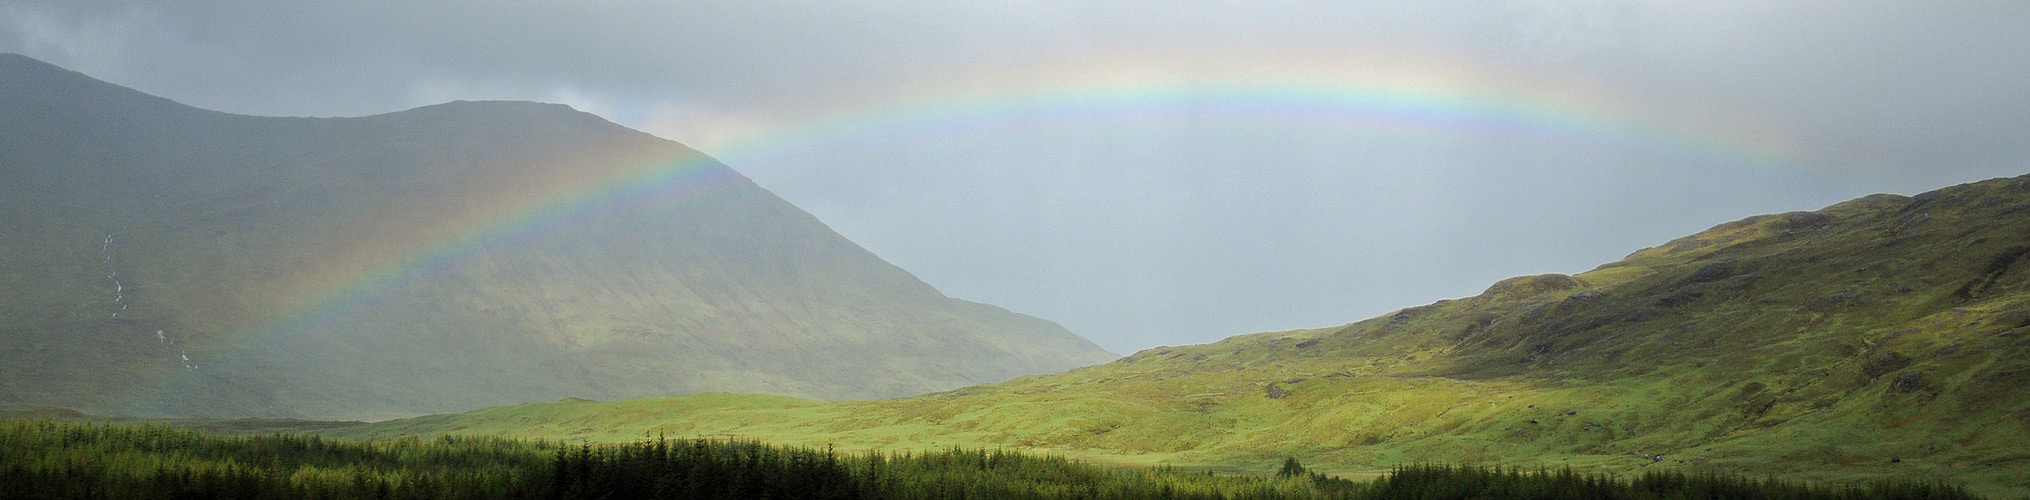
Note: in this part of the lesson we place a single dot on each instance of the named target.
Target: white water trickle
(120, 297)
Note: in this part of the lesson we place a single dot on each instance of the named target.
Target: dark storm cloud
(1162, 234)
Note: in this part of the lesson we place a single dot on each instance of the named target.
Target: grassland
(55, 460)
(1884, 337)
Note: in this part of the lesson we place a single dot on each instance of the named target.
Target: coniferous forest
(43, 459)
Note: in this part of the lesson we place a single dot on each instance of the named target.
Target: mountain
(1883, 337)
(162, 260)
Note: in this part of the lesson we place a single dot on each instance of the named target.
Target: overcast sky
(1176, 171)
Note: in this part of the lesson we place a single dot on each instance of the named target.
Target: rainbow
(1411, 111)
(1371, 107)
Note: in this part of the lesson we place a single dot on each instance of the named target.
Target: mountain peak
(504, 114)
(492, 261)
(26, 81)
(14, 63)
(501, 108)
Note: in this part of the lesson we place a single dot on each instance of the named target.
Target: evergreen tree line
(86, 461)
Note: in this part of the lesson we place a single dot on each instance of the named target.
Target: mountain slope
(159, 259)
(1887, 336)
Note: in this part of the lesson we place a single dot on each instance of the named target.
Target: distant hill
(158, 259)
(1884, 337)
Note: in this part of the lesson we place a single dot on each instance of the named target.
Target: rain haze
(1163, 173)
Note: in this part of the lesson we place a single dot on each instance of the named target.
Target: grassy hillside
(1888, 336)
(164, 260)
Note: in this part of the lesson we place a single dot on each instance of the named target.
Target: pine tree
(1291, 468)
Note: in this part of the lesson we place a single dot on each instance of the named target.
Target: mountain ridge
(457, 255)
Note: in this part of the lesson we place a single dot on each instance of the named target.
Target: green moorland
(45, 460)
(1884, 337)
